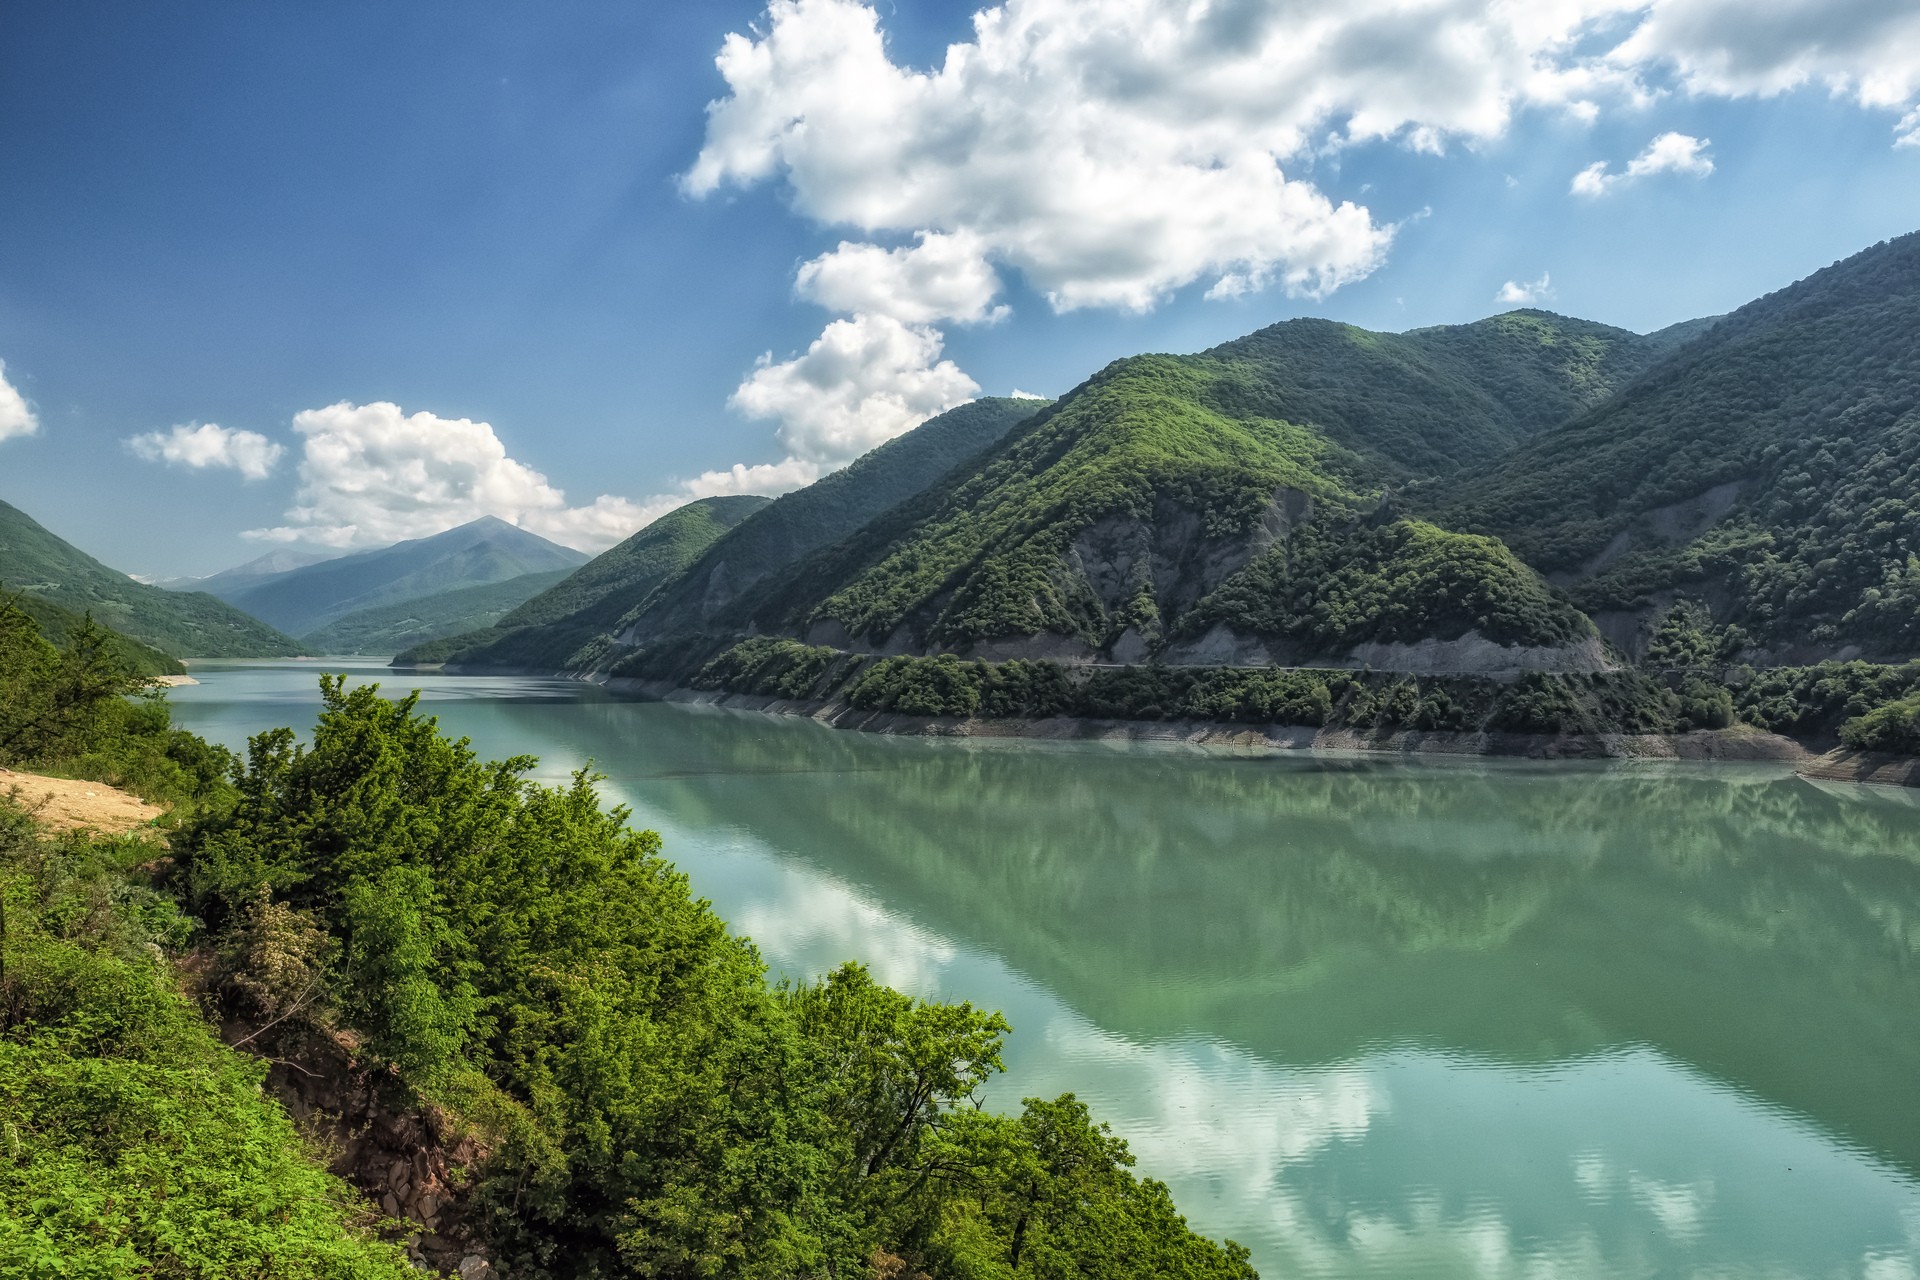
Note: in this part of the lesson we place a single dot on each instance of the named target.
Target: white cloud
(16, 416)
(1668, 153)
(372, 474)
(941, 278)
(863, 381)
(1018, 394)
(1866, 50)
(210, 445)
(1514, 293)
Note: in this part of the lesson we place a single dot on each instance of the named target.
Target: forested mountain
(1228, 507)
(385, 629)
(824, 512)
(1771, 467)
(181, 624)
(548, 629)
(1528, 492)
(61, 626)
(484, 551)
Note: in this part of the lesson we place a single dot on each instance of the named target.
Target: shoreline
(1746, 745)
(1739, 744)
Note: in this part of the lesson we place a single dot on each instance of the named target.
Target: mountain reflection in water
(1370, 1017)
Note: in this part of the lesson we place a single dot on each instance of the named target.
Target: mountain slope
(549, 628)
(824, 512)
(389, 628)
(250, 574)
(487, 550)
(1771, 467)
(59, 626)
(180, 624)
(1229, 507)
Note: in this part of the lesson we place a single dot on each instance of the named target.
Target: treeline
(643, 1100)
(1832, 699)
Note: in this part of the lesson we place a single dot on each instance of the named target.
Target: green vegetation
(1851, 701)
(1328, 588)
(388, 628)
(60, 626)
(181, 624)
(831, 509)
(67, 710)
(653, 1106)
(132, 1141)
(547, 630)
(1776, 459)
(1894, 727)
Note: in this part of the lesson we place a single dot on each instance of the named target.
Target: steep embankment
(191, 624)
(1228, 507)
(1771, 468)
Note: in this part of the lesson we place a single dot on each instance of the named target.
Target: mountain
(825, 512)
(1230, 506)
(487, 550)
(548, 629)
(279, 560)
(389, 628)
(1770, 468)
(180, 624)
(678, 572)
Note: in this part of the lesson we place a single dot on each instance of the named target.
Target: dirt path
(63, 805)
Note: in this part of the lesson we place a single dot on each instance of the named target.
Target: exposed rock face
(1475, 655)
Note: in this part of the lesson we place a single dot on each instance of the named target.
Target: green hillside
(388, 628)
(59, 626)
(483, 551)
(181, 624)
(1771, 467)
(545, 630)
(1241, 489)
(825, 512)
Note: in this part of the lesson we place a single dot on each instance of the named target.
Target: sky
(328, 276)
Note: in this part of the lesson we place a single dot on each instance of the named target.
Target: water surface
(1368, 1017)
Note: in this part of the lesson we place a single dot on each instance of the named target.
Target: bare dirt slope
(62, 804)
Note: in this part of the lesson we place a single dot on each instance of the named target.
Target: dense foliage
(132, 1143)
(832, 508)
(178, 623)
(66, 709)
(1696, 688)
(655, 1107)
(1800, 414)
(1328, 588)
(1142, 489)
(388, 628)
(60, 625)
(546, 630)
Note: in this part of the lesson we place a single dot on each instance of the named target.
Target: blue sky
(286, 220)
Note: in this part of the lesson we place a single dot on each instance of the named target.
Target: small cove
(1370, 1017)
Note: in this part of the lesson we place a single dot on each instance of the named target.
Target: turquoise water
(1368, 1017)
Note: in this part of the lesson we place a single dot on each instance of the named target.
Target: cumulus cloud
(863, 381)
(16, 416)
(372, 474)
(1532, 293)
(1668, 153)
(210, 445)
(940, 278)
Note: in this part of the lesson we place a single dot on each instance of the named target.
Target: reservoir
(1371, 1017)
